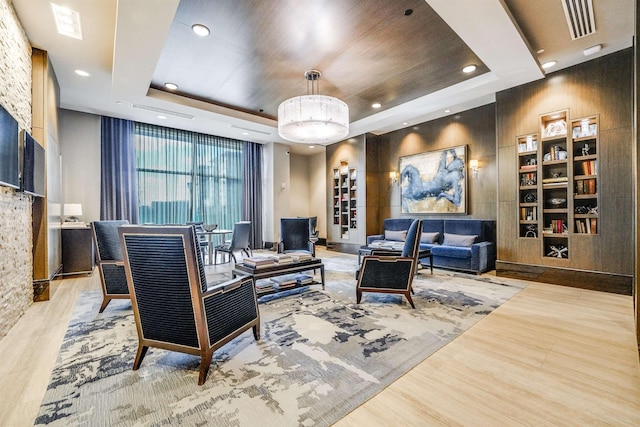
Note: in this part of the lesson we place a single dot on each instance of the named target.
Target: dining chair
(239, 242)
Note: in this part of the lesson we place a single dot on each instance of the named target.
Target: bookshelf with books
(555, 175)
(344, 199)
(528, 194)
(584, 141)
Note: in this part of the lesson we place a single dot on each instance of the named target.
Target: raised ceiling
(257, 53)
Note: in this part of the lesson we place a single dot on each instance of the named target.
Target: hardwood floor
(551, 355)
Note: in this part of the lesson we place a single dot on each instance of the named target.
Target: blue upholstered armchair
(173, 306)
(388, 273)
(110, 262)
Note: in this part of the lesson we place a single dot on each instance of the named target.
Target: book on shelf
(263, 286)
(554, 180)
(259, 261)
(590, 167)
(527, 168)
(284, 282)
(303, 279)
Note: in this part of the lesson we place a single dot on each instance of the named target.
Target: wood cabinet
(77, 250)
(558, 182)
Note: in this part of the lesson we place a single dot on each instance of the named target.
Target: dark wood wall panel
(603, 86)
(474, 128)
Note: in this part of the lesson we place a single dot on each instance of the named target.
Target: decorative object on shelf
(557, 128)
(557, 201)
(72, 211)
(556, 153)
(532, 231)
(558, 251)
(530, 198)
(434, 182)
(313, 118)
(585, 149)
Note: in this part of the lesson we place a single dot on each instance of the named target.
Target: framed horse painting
(434, 182)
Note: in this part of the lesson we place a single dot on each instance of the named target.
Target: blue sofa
(458, 244)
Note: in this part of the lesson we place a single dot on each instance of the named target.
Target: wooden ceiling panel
(258, 51)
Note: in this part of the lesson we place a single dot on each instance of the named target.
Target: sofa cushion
(429, 237)
(400, 236)
(459, 239)
(451, 251)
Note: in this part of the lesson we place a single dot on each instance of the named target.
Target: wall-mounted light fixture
(473, 165)
(393, 175)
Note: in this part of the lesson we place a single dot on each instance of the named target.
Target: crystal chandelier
(313, 118)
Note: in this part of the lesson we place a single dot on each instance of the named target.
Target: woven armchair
(295, 236)
(173, 306)
(110, 264)
(392, 274)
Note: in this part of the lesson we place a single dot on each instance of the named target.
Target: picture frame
(434, 182)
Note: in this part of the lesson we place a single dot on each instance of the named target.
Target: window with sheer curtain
(187, 176)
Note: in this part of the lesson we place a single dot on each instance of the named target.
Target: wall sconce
(473, 165)
(393, 175)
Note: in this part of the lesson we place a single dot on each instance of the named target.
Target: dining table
(214, 238)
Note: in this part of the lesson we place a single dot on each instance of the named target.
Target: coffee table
(280, 270)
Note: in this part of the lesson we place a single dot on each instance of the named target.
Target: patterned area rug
(320, 356)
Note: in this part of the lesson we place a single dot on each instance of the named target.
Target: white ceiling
(123, 40)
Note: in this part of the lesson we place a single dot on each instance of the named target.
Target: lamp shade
(72, 209)
(313, 119)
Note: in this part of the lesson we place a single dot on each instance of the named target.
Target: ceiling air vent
(580, 18)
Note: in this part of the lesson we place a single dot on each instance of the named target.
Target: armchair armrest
(374, 237)
(226, 286)
(482, 256)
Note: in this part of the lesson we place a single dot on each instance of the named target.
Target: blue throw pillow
(459, 239)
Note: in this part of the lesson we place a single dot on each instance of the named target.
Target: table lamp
(72, 211)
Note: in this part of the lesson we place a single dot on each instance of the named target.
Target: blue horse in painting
(447, 182)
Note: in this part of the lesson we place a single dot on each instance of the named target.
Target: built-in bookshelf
(528, 196)
(344, 199)
(584, 141)
(558, 184)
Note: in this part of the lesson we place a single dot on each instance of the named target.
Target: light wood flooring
(551, 355)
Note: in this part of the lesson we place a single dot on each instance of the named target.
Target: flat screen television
(33, 166)
(9, 150)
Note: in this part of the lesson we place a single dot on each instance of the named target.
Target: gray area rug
(320, 356)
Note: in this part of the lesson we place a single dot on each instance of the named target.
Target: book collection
(587, 226)
(529, 213)
(282, 283)
(558, 226)
(586, 186)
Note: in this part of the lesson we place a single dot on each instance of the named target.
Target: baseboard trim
(583, 279)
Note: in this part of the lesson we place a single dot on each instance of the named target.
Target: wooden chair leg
(205, 362)
(105, 301)
(256, 332)
(408, 295)
(358, 296)
(142, 351)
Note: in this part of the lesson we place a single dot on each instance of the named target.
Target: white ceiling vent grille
(580, 18)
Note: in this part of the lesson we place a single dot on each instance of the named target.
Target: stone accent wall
(16, 265)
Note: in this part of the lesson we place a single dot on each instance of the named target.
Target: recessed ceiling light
(447, 110)
(405, 123)
(312, 146)
(469, 69)
(67, 21)
(540, 51)
(119, 102)
(549, 64)
(245, 133)
(171, 86)
(162, 117)
(376, 105)
(82, 73)
(200, 30)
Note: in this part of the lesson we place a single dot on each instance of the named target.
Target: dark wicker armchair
(110, 263)
(174, 309)
(295, 236)
(391, 274)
